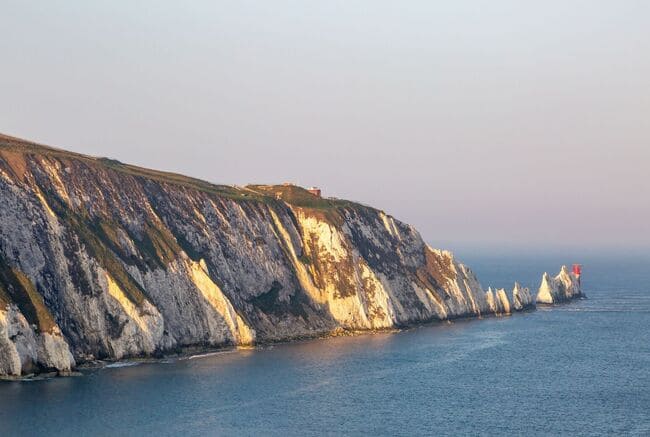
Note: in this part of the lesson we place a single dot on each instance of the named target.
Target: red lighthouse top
(577, 269)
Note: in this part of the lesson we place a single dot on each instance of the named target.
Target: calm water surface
(577, 369)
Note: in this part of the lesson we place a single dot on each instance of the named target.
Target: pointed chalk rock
(521, 298)
(564, 287)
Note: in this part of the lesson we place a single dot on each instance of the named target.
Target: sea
(581, 368)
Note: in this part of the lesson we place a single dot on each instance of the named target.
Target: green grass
(4, 297)
(98, 249)
(159, 245)
(31, 148)
(19, 289)
(100, 241)
(304, 259)
(299, 196)
(328, 209)
(156, 245)
(291, 194)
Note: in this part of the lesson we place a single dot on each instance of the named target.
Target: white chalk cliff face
(562, 288)
(521, 298)
(102, 260)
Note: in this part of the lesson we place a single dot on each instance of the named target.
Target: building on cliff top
(315, 191)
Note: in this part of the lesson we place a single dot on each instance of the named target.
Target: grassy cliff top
(299, 196)
(291, 194)
(18, 145)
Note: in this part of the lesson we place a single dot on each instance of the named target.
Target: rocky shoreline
(101, 260)
(199, 351)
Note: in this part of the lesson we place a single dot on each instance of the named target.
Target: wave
(208, 354)
(122, 364)
(596, 309)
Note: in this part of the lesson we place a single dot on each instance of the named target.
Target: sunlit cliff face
(102, 260)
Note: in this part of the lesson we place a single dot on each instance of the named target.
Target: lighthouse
(577, 271)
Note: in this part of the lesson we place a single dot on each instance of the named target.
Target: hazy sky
(491, 123)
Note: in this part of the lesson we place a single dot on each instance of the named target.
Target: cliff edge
(103, 260)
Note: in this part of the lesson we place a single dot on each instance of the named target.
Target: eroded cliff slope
(99, 259)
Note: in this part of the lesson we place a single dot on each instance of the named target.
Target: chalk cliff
(103, 260)
(521, 298)
(562, 288)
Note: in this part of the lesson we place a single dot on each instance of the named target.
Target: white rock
(565, 286)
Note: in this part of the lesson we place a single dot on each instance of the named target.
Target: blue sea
(578, 369)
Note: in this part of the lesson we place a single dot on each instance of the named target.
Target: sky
(489, 124)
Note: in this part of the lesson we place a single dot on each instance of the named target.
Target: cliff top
(291, 194)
